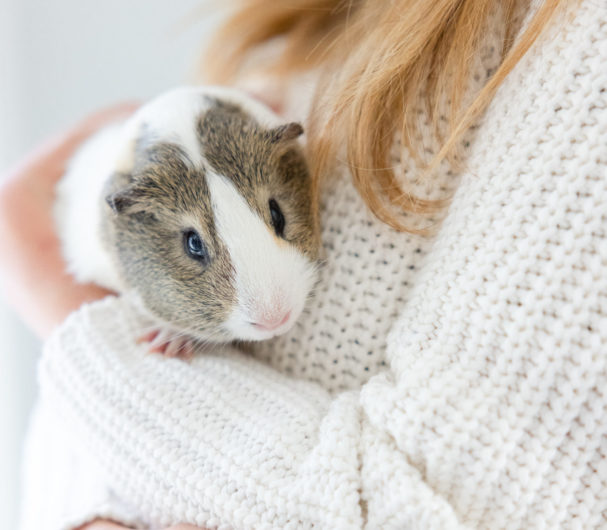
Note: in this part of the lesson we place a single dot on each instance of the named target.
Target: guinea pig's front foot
(169, 343)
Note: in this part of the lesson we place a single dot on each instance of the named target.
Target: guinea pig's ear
(126, 200)
(286, 132)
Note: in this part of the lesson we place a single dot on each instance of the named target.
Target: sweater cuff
(63, 488)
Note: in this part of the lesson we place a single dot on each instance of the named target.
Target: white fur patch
(272, 276)
(172, 117)
(77, 209)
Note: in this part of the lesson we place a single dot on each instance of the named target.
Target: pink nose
(272, 323)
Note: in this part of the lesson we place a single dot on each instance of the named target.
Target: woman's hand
(32, 270)
(108, 525)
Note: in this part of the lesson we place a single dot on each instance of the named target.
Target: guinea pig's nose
(270, 324)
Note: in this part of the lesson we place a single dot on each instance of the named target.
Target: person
(449, 371)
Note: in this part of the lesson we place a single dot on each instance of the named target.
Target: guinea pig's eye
(194, 246)
(278, 220)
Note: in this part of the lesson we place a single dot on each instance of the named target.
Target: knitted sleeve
(223, 441)
(492, 412)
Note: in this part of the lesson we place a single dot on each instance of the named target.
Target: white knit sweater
(458, 381)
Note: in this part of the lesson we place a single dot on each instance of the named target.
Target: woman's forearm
(32, 269)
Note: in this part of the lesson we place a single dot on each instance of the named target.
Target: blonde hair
(379, 62)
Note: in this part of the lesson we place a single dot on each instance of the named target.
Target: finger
(99, 524)
(160, 343)
(187, 352)
(148, 337)
(174, 347)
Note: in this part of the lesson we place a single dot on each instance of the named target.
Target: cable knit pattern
(369, 268)
(485, 406)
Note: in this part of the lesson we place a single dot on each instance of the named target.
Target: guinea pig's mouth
(272, 324)
(268, 327)
(263, 327)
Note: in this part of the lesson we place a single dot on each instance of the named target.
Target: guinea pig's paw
(169, 343)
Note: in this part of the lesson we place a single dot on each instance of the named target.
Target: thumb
(184, 527)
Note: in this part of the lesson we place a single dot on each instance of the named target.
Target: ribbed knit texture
(484, 406)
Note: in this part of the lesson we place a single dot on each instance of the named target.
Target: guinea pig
(200, 206)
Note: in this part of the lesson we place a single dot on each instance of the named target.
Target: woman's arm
(108, 525)
(225, 440)
(32, 269)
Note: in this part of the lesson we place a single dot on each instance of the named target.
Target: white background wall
(58, 61)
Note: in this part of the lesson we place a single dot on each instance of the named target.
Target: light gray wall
(58, 61)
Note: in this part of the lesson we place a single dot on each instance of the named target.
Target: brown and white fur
(209, 161)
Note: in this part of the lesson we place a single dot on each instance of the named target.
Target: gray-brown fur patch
(170, 196)
(262, 165)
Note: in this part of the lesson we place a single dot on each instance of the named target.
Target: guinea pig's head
(213, 224)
